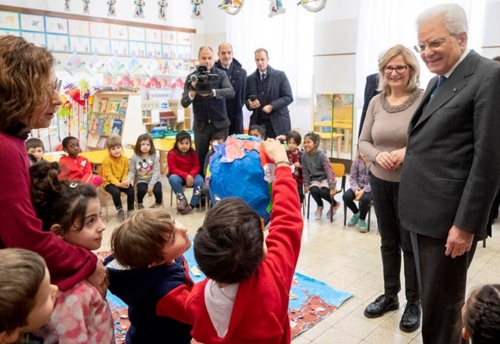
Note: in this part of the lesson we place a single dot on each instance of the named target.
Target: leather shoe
(380, 306)
(410, 321)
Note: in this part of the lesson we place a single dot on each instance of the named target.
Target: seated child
(35, 146)
(481, 315)
(359, 180)
(71, 210)
(26, 295)
(257, 131)
(145, 165)
(318, 175)
(147, 264)
(293, 140)
(114, 173)
(184, 169)
(244, 298)
(75, 166)
(216, 140)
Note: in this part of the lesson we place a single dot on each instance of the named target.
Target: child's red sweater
(260, 312)
(75, 169)
(183, 165)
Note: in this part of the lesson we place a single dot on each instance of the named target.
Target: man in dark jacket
(268, 95)
(238, 78)
(209, 110)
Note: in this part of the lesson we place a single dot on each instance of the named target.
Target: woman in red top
(184, 169)
(28, 99)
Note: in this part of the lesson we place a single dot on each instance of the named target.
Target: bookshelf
(114, 113)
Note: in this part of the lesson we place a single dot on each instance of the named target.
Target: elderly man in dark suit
(452, 167)
(268, 95)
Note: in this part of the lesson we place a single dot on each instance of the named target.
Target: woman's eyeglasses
(57, 85)
(398, 69)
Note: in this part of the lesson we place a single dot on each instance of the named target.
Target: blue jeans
(176, 183)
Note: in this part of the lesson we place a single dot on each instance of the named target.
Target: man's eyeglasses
(57, 85)
(434, 44)
(398, 69)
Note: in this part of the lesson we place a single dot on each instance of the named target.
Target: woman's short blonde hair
(25, 89)
(411, 62)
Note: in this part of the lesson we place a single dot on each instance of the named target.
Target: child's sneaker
(333, 209)
(186, 210)
(362, 226)
(353, 221)
(140, 206)
(121, 215)
(318, 213)
(156, 205)
(181, 205)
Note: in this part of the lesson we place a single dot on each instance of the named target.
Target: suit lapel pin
(455, 89)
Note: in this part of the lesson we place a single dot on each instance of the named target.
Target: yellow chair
(339, 171)
(318, 128)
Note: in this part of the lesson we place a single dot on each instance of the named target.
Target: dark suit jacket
(370, 92)
(280, 96)
(452, 166)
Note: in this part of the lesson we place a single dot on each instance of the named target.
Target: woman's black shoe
(410, 321)
(380, 306)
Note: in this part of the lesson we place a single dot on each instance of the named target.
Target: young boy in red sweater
(244, 298)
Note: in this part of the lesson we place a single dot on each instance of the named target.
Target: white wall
(491, 37)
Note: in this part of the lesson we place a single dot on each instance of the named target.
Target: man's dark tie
(440, 83)
(262, 76)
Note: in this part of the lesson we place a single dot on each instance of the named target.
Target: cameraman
(209, 108)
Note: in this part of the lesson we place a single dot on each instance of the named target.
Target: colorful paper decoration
(152, 67)
(139, 8)
(73, 64)
(312, 5)
(113, 66)
(111, 8)
(162, 9)
(94, 64)
(133, 66)
(276, 7)
(86, 9)
(231, 6)
(197, 12)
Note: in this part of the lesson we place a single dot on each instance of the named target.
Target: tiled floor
(348, 260)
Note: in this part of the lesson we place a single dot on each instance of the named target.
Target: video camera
(202, 77)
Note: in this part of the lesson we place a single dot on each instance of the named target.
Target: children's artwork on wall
(276, 7)
(151, 67)
(133, 66)
(313, 5)
(197, 12)
(66, 5)
(162, 9)
(231, 6)
(73, 63)
(139, 8)
(94, 64)
(114, 65)
(86, 9)
(111, 8)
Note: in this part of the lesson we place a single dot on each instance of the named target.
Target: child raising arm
(244, 298)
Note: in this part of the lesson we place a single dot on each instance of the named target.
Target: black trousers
(115, 193)
(442, 282)
(364, 203)
(321, 194)
(203, 132)
(142, 189)
(393, 240)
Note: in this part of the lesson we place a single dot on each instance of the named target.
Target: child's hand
(275, 150)
(297, 165)
(189, 181)
(150, 191)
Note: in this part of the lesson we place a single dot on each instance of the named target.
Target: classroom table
(95, 157)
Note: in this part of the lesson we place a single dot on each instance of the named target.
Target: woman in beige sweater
(383, 141)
